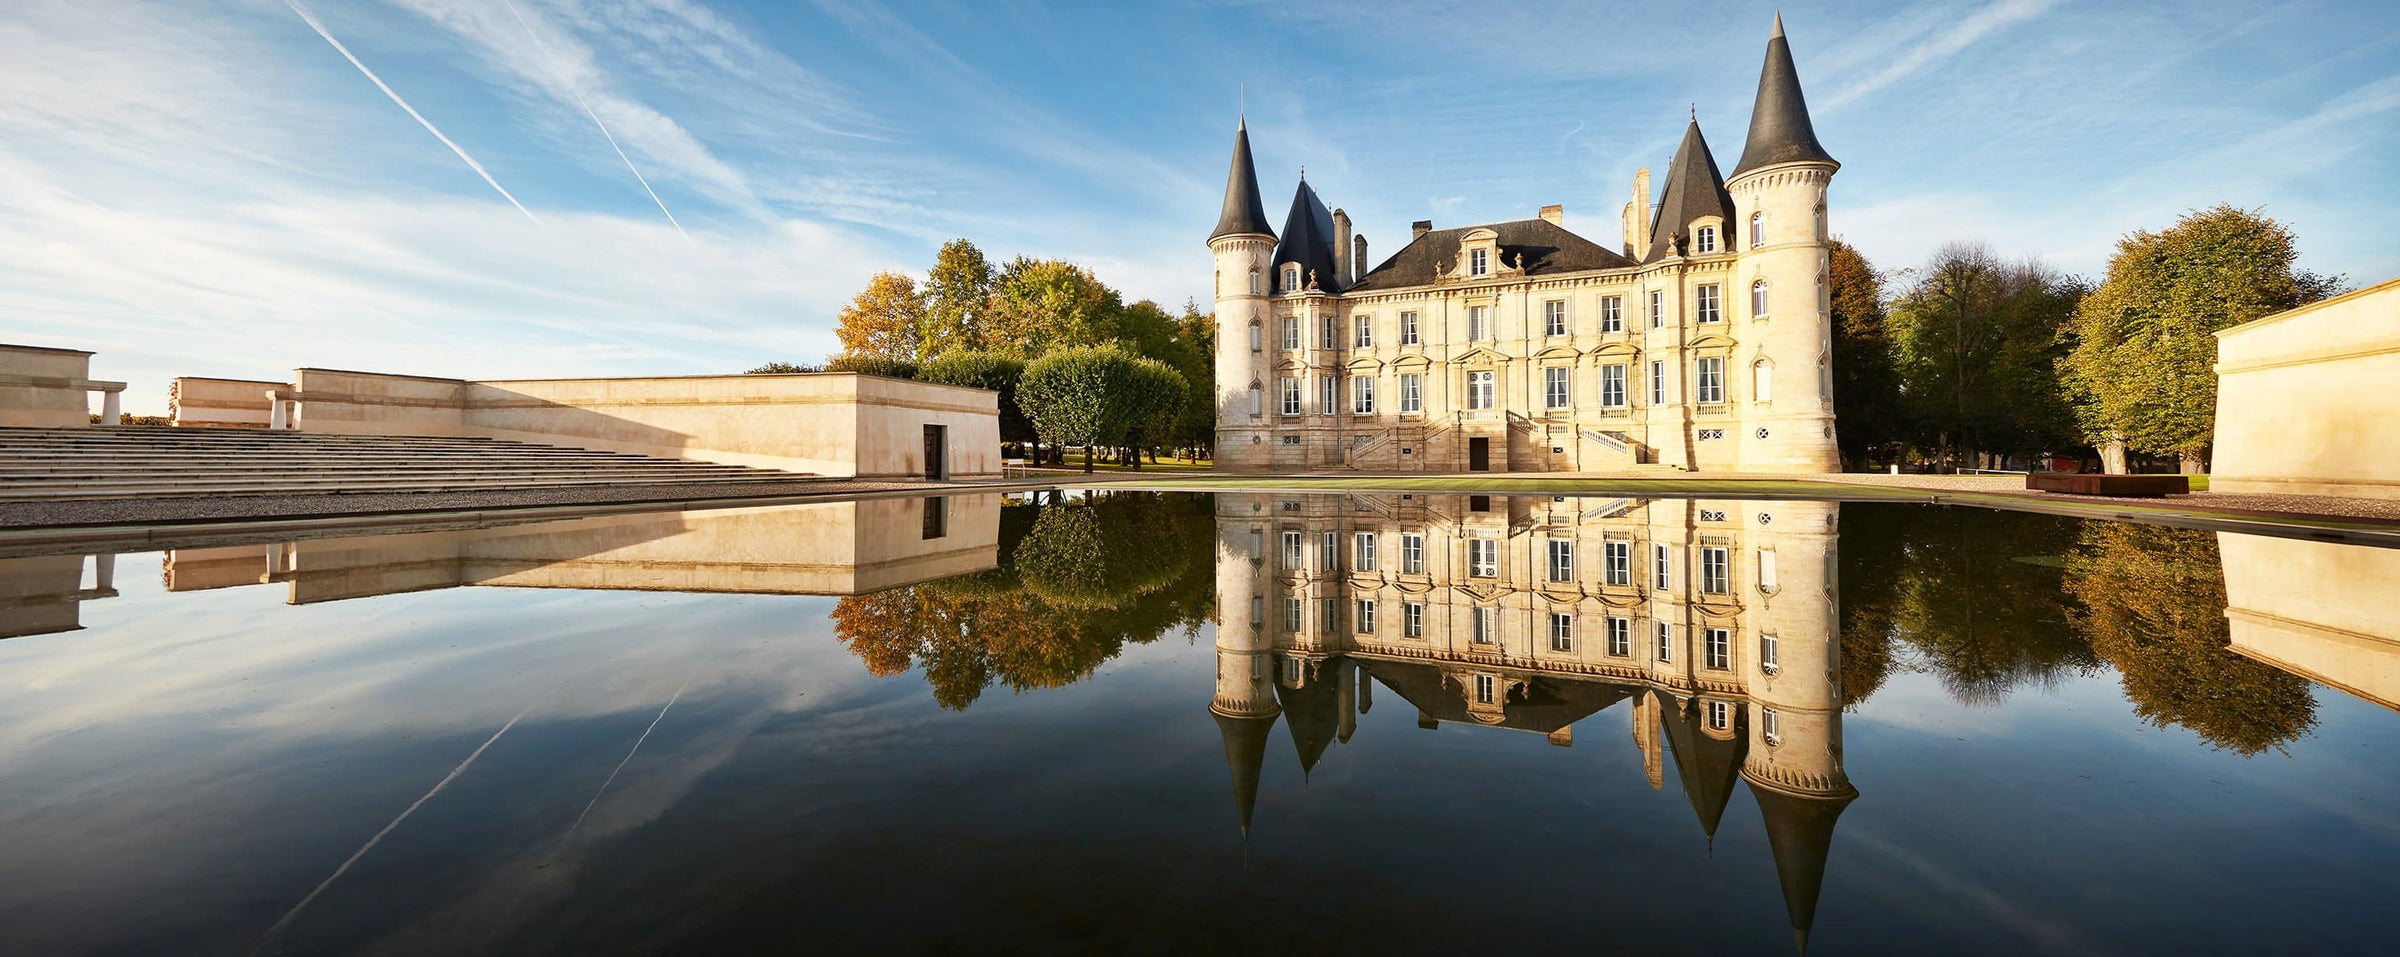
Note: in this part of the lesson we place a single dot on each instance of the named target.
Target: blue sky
(211, 188)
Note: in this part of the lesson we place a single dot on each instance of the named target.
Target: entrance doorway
(1479, 455)
(937, 447)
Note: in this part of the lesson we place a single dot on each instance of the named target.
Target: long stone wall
(841, 424)
(2303, 399)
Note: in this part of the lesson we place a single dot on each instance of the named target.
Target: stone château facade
(1703, 342)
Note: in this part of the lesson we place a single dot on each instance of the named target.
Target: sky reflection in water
(1014, 726)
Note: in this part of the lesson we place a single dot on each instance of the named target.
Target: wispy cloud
(313, 24)
(612, 139)
(1943, 43)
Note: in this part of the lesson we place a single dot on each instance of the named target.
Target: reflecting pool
(1262, 722)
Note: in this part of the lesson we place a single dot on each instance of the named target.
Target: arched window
(1762, 381)
(1254, 286)
(1758, 299)
(1820, 222)
(1291, 277)
(1704, 239)
(1258, 399)
(1758, 230)
(1254, 343)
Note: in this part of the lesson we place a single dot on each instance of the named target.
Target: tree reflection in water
(1077, 579)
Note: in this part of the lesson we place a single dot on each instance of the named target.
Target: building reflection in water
(2320, 610)
(834, 548)
(44, 594)
(1713, 621)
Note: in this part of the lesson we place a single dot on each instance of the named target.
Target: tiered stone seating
(142, 462)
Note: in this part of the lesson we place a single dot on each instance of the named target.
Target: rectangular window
(1770, 726)
(1254, 344)
(1291, 395)
(1328, 333)
(1709, 381)
(1291, 550)
(1487, 625)
(1716, 572)
(1485, 689)
(1658, 308)
(1329, 614)
(1366, 616)
(1331, 553)
(1720, 716)
(1479, 390)
(1612, 386)
(1704, 239)
(1562, 632)
(1291, 614)
(1620, 637)
(1768, 660)
(1706, 305)
(1766, 569)
(1620, 562)
(1554, 317)
(1328, 395)
(1666, 643)
(1363, 333)
(1662, 568)
(1483, 558)
(1479, 326)
(1362, 395)
(1612, 314)
(1412, 554)
(1479, 263)
(1554, 388)
(1408, 329)
(1412, 392)
(1658, 382)
(1362, 551)
(1562, 560)
(1720, 648)
(1412, 619)
(1291, 333)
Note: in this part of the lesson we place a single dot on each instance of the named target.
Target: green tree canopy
(986, 370)
(1044, 304)
(1098, 395)
(1866, 388)
(958, 294)
(893, 366)
(1975, 345)
(2144, 350)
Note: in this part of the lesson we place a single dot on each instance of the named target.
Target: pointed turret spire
(1800, 833)
(1694, 190)
(1780, 131)
(1245, 213)
(1245, 754)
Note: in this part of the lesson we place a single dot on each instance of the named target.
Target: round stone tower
(1784, 371)
(1243, 244)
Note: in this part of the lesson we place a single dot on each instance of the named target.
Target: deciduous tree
(1866, 388)
(1096, 395)
(887, 319)
(1044, 304)
(958, 294)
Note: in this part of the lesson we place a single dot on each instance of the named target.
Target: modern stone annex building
(1703, 342)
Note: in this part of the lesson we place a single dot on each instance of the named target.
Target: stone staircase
(38, 464)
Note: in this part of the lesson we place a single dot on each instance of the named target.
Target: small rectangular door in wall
(937, 444)
(1479, 455)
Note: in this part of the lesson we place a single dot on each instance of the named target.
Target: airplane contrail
(612, 138)
(288, 917)
(412, 111)
(637, 746)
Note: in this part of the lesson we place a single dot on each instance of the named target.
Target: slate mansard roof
(1694, 190)
(1545, 247)
(1308, 240)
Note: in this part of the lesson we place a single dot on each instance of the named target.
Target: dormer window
(1758, 230)
(1291, 277)
(1479, 262)
(1704, 239)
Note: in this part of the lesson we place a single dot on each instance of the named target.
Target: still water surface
(1158, 723)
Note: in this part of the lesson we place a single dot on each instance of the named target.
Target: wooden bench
(2121, 486)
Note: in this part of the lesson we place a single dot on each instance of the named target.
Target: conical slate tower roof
(1779, 128)
(1308, 240)
(1800, 832)
(1694, 190)
(1245, 213)
(1245, 753)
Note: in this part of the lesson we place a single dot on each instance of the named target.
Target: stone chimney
(1555, 215)
(1341, 241)
(1637, 215)
(1419, 228)
(1358, 258)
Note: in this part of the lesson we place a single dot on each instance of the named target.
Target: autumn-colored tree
(2151, 600)
(958, 294)
(1866, 388)
(887, 319)
(2141, 369)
